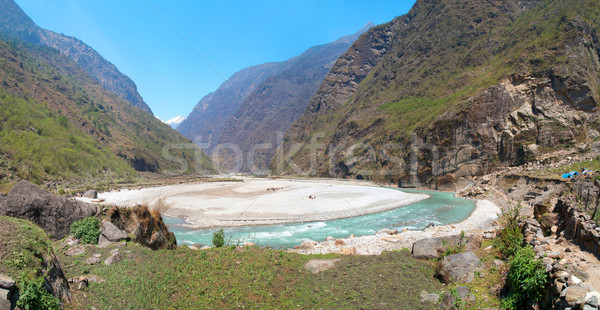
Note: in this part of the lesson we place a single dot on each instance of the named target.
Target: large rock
(459, 268)
(114, 258)
(148, 229)
(54, 214)
(431, 248)
(93, 194)
(112, 233)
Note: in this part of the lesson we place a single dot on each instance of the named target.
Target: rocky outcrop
(577, 225)
(147, 227)
(54, 214)
(459, 268)
(110, 233)
(318, 265)
(406, 105)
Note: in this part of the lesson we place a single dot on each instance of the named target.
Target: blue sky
(231, 35)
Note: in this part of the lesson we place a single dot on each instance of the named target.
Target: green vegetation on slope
(78, 114)
(250, 277)
(27, 250)
(38, 145)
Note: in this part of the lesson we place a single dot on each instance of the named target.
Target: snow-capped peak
(175, 121)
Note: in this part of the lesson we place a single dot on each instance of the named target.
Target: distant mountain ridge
(259, 102)
(14, 22)
(175, 121)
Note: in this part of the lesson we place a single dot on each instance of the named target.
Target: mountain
(454, 89)
(268, 98)
(58, 123)
(175, 121)
(14, 22)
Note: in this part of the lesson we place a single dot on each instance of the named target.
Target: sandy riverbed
(266, 201)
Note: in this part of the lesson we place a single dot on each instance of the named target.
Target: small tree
(218, 239)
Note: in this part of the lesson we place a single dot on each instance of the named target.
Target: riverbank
(266, 201)
(483, 218)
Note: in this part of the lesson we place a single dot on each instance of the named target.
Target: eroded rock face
(148, 229)
(54, 214)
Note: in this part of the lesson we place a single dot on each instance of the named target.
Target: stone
(97, 255)
(497, 263)
(113, 259)
(429, 297)
(75, 251)
(575, 294)
(82, 285)
(112, 233)
(430, 248)
(348, 251)
(330, 238)
(488, 248)
(306, 245)
(92, 260)
(103, 242)
(5, 294)
(489, 235)
(318, 265)
(588, 307)
(591, 299)
(121, 244)
(573, 280)
(558, 287)
(387, 232)
(93, 194)
(562, 276)
(555, 255)
(72, 241)
(54, 214)
(94, 278)
(339, 242)
(6, 282)
(459, 268)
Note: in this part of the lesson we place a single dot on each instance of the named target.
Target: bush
(87, 230)
(510, 238)
(33, 295)
(218, 239)
(526, 278)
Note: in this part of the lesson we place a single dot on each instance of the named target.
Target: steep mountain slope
(58, 123)
(453, 89)
(205, 123)
(14, 22)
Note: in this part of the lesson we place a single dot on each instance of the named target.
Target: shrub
(33, 295)
(510, 238)
(87, 230)
(526, 278)
(218, 239)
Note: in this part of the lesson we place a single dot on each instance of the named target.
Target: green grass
(231, 277)
(40, 145)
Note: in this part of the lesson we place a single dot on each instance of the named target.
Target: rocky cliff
(14, 22)
(453, 89)
(243, 118)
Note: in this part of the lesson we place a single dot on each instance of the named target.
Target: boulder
(6, 282)
(93, 194)
(431, 248)
(429, 297)
(459, 268)
(114, 258)
(318, 265)
(75, 251)
(71, 241)
(147, 229)
(112, 233)
(54, 214)
(575, 294)
(306, 245)
(92, 260)
(462, 295)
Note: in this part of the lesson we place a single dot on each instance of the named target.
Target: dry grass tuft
(160, 207)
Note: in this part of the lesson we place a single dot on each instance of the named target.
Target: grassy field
(249, 277)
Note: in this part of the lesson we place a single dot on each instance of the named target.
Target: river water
(441, 208)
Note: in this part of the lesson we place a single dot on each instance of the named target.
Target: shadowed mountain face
(14, 22)
(453, 89)
(241, 121)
